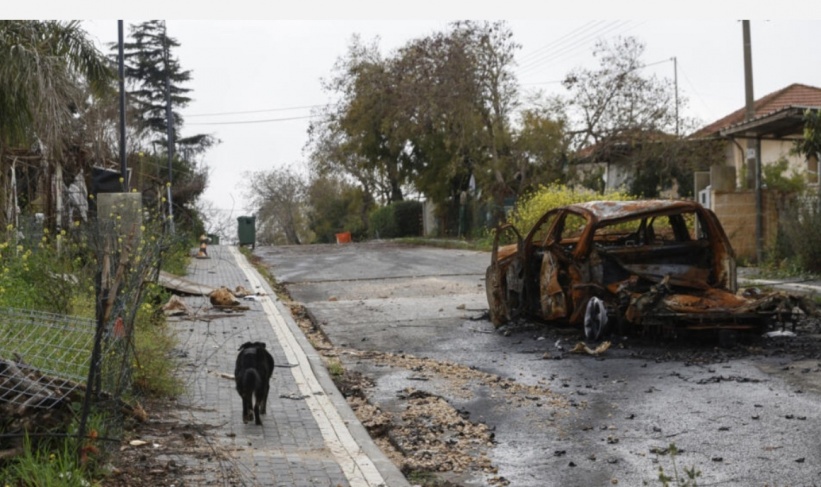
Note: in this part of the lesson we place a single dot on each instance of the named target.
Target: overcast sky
(255, 81)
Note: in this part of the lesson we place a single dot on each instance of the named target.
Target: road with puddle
(413, 321)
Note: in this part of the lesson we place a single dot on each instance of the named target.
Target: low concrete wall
(736, 212)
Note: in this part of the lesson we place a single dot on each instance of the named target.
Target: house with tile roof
(769, 134)
(778, 120)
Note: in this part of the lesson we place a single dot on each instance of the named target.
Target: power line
(582, 43)
(577, 42)
(554, 82)
(535, 54)
(219, 114)
(242, 122)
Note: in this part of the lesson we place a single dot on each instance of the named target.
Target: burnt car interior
(650, 248)
(653, 248)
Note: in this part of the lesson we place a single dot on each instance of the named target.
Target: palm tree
(47, 69)
(44, 66)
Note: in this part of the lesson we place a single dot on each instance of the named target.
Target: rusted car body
(661, 265)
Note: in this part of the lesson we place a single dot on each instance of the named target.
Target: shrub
(43, 274)
(532, 206)
(407, 216)
(399, 219)
(799, 233)
(381, 223)
(775, 177)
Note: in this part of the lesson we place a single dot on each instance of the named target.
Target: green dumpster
(213, 239)
(246, 230)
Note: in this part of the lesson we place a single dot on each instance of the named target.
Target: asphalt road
(748, 416)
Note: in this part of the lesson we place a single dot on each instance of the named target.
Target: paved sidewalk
(310, 436)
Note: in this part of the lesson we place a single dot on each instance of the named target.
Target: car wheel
(595, 319)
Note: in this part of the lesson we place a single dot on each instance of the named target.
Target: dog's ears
(252, 345)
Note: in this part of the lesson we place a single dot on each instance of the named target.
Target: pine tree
(148, 61)
(152, 73)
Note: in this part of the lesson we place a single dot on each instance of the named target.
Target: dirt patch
(166, 450)
(430, 440)
(430, 435)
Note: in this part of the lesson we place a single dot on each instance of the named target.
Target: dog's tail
(250, 380)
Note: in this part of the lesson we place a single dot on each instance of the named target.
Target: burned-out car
(649, 265)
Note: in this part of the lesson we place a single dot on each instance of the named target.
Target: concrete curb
(389, 472)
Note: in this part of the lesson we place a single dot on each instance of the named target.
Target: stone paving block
(290, 447)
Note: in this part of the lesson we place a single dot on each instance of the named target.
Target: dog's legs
(263, 399)
(257, 419)
(247, 411)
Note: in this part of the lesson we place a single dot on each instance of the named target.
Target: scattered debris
(223, 375)
(223, 297)
(779, 333)
(582, 347)
(180, 285)
(176, 307)
(242, 292)
(202, 253)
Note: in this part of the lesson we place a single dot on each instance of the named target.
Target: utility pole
(675, 85)
(169, 117)
(749, 159)
(753, 157)
(121, 74)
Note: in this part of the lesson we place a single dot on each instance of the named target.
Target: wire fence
(44, 357)
(63, 375)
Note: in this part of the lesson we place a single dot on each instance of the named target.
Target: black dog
(252, 374)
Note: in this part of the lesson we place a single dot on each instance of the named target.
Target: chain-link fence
(62, 375)
(43, 357)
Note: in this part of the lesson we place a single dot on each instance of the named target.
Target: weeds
(674, 478)
(47, 465)
(55, 274)
(154, 371)
(335, 368)
(795, 251)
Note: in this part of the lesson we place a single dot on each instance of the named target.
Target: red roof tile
(795, 95)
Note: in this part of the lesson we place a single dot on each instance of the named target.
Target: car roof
(604, 211)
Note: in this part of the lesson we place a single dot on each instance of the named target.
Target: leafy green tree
(279, 195)
(334, 206)
(427, 118)
(810, 142)
(664, 161)
(459, 92)
(809, 145)
(540, 149)
(620, 116)
(357, 136)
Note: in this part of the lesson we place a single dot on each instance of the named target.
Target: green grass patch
(49, 464)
